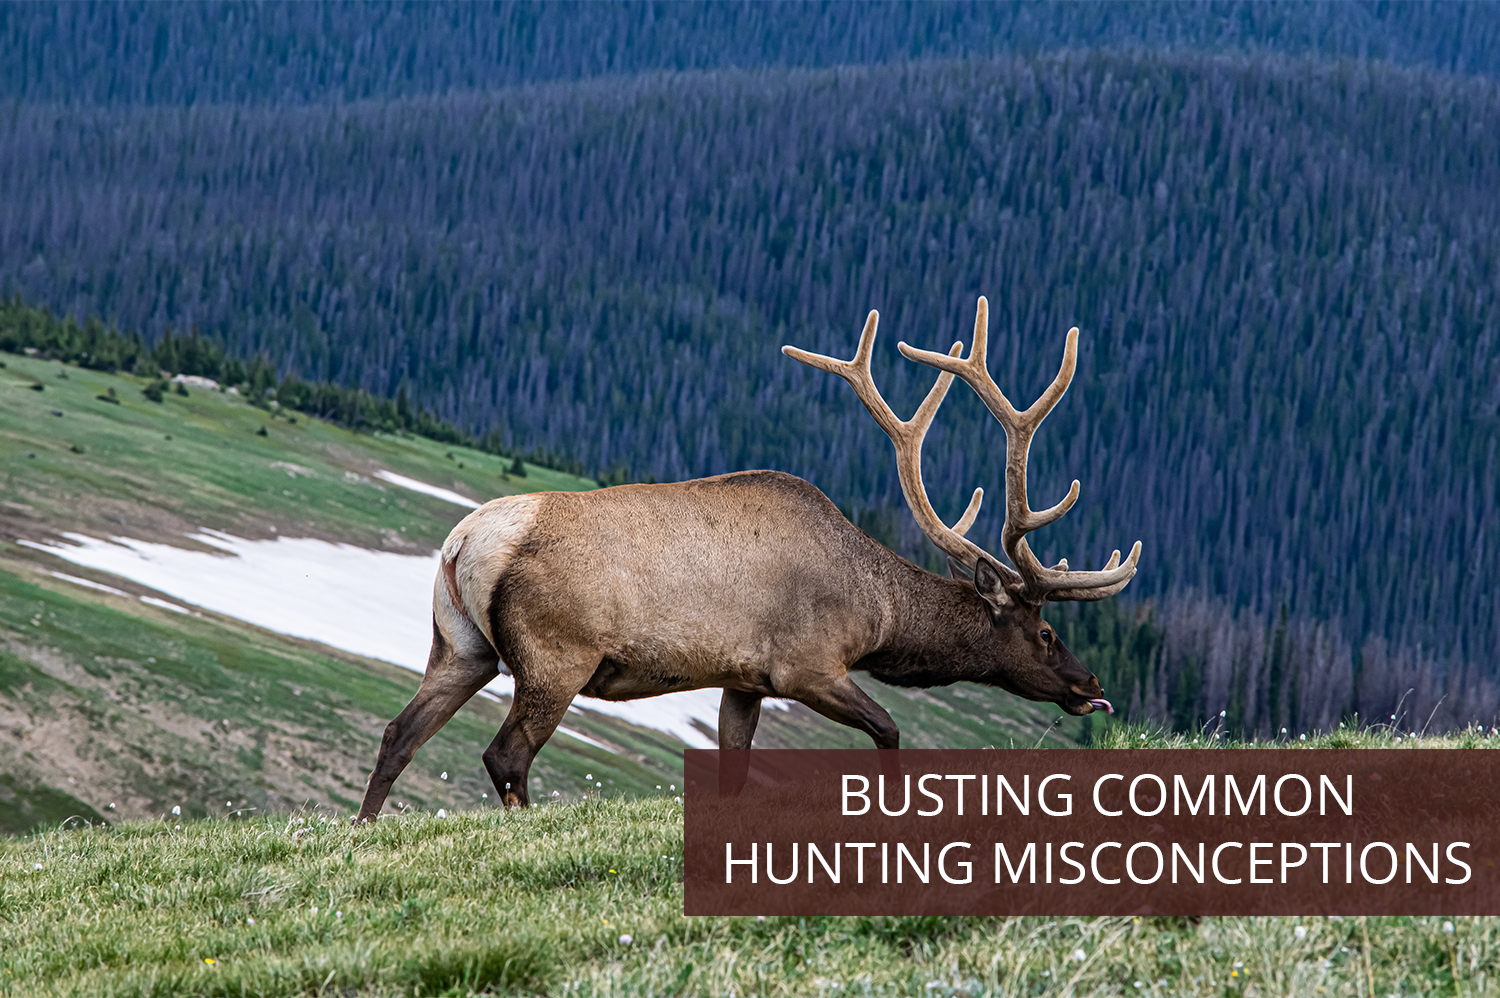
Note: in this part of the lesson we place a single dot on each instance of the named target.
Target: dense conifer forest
(211, 52)
(1282, 261)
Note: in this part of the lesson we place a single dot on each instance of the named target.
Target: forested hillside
(1284, 269)
(238, 52)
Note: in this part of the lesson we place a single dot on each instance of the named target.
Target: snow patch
(372, 603)
(85, 582)
(585, 739)
(169, 606)
(197, 381)
(425, 489)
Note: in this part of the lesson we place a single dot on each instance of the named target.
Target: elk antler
(1040, 583)
(908, 437)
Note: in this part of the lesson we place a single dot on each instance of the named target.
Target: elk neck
(939, 633)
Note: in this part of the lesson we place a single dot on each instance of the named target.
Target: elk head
(1024, 654)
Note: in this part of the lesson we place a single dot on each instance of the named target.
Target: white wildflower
(1080, 955)
(1300, 932)
(441, 813)
(625, 939)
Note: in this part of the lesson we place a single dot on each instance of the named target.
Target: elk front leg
(739, 713)
(451, 680)
(842, 701)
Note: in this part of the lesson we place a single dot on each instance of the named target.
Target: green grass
(150, 469)
(1387, 735)
(538, 901)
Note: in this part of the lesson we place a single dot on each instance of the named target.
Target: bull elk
(752, 582)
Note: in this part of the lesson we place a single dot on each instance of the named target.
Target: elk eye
(1046, 635)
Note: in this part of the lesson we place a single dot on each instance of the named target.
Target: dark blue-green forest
(585, 230)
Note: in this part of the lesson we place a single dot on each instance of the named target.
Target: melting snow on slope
(372, 603)
(425, 489)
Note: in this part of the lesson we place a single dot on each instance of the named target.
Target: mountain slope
(117, 691)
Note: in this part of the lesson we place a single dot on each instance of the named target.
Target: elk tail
(450, 579)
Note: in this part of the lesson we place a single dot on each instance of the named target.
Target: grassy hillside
(540, 902)
(106, 699)
(110, 700)
(70, 460)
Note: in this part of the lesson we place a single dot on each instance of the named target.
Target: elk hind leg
(739, 713)
(541, 699)
(452, 678)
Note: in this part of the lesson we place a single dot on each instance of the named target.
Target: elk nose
(1089, 689)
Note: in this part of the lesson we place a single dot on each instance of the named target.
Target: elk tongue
(1104, 705)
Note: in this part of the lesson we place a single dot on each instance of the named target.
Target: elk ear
(959, 572)
(990, 585)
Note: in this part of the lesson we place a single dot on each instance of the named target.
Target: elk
(752, 582)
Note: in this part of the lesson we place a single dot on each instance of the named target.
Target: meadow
(272, 893)
(585, 898)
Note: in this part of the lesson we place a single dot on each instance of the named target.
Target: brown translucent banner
(1090, 832)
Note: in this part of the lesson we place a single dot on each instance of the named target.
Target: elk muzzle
(1085, 698)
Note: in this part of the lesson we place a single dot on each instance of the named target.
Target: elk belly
(617, 680)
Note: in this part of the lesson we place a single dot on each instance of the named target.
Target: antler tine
(1041, 583)
(1096, 585)
(973, 370)
(907, 437)
(970, 514)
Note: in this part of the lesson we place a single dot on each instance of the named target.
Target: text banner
(1093, 832)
